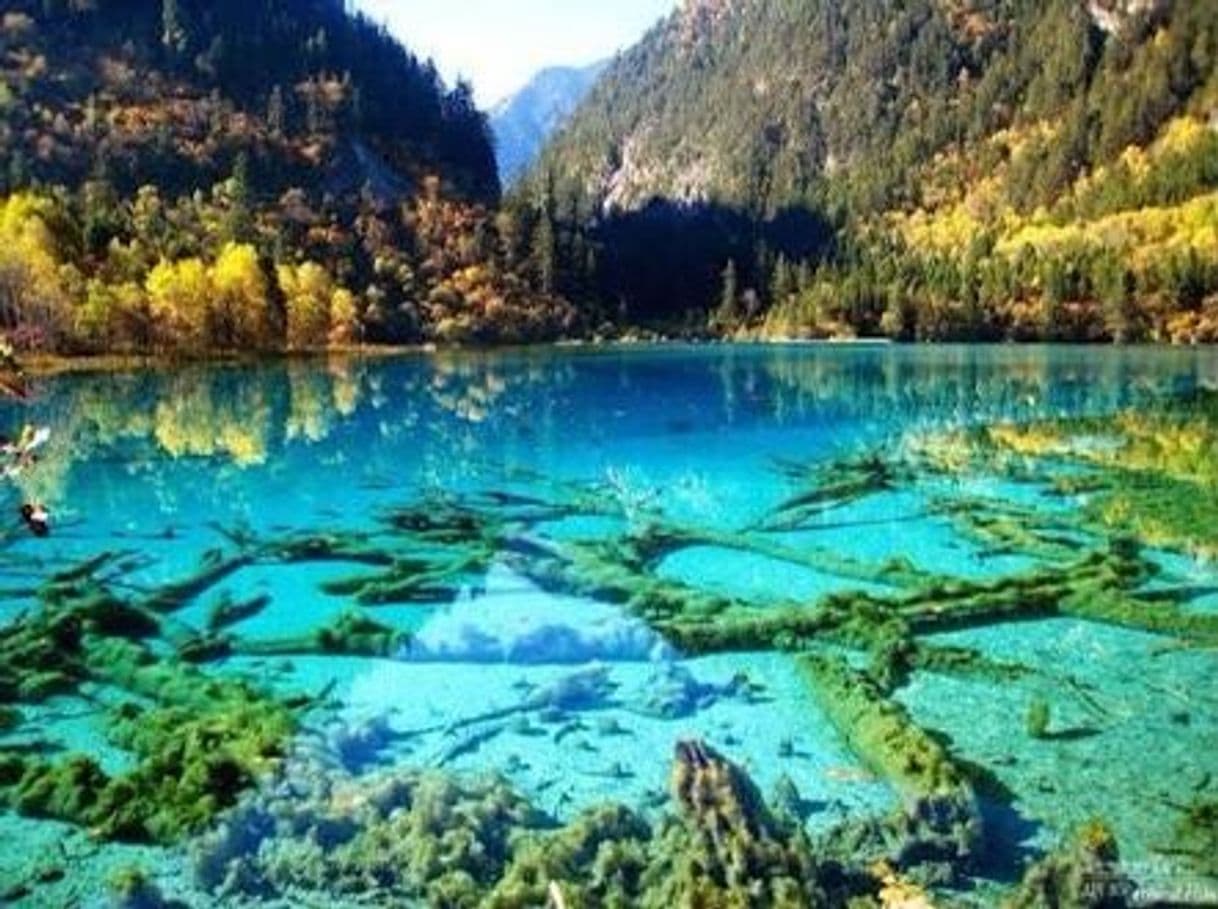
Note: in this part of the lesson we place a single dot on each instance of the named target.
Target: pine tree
(783, 283)
(276, 112)
(92, 115)
(1114, 286)
(545, 242)
(173, 28)
(239, 222)
(727, 316)
(545, 254)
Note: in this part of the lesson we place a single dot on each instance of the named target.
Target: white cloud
(500, 44)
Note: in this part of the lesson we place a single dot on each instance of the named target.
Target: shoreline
(50, 365)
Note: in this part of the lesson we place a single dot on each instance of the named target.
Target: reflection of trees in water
(473, 388)
(311, 409)
(475, 412)
(445, 414)
(238, 417)
(230, 420)
(233, 416)
(949, 383)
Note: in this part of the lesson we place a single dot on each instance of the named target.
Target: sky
(499, 44)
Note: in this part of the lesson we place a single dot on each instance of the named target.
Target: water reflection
(474, 406)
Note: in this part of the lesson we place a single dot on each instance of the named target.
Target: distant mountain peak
(523, 122)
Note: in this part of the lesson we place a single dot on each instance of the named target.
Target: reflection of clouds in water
(475, 389)
(514, 621)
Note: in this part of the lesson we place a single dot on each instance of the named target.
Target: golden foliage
(180, 297)
(308, 292)
(241, 296)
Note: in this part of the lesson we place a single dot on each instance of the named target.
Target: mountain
(917, 168)
(192, 175)
(523, 122)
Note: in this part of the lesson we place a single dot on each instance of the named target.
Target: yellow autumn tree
(308, 293)
(344, 318)
(180, 298)
(32, 292)
(112, 317)
(241, 303)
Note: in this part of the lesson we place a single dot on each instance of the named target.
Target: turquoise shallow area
(1131, 730)
(163, 467)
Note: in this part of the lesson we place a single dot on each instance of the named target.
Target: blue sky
(499, 44)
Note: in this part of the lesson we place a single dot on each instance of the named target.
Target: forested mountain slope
(924, 168)
(233, 174)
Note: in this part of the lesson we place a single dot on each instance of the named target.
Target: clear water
(159, 463)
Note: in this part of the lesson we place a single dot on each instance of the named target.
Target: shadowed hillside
(993, 168)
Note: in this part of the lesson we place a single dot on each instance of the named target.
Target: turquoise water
(161, 468)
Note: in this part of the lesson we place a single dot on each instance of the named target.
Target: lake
(351, 631)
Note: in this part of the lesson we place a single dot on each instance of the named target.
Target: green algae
(881, 732)
(1164, 511)
(227, 612)
(192, 757)
(448, 841)
(132, 887)
(598, 859)
(215, 567)
(1037, 719)
(1150, 473)
(349, 634)
(409, 581)
(195, 742)
(1197, 835)
(354, 634)
(1083, 873)
(1000, 528)
(644, 548)
(837, 484)
(726, 847)
(189, 769)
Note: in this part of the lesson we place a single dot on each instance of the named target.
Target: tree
(308, 292)
(727, 316)
(783, 284)
(1114, 285)
(101, 221)
(180, 298)
(344, 319)
(174, 34)
(242, 307)
(276, 113)
(12, 378)
(239, 223)
(1056, 283)
(34, 297)
(545, 243)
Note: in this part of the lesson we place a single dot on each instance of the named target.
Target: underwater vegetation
(212, 762)
(196, 741)
(1084, 871)
(456, 843)
(1152, 473)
